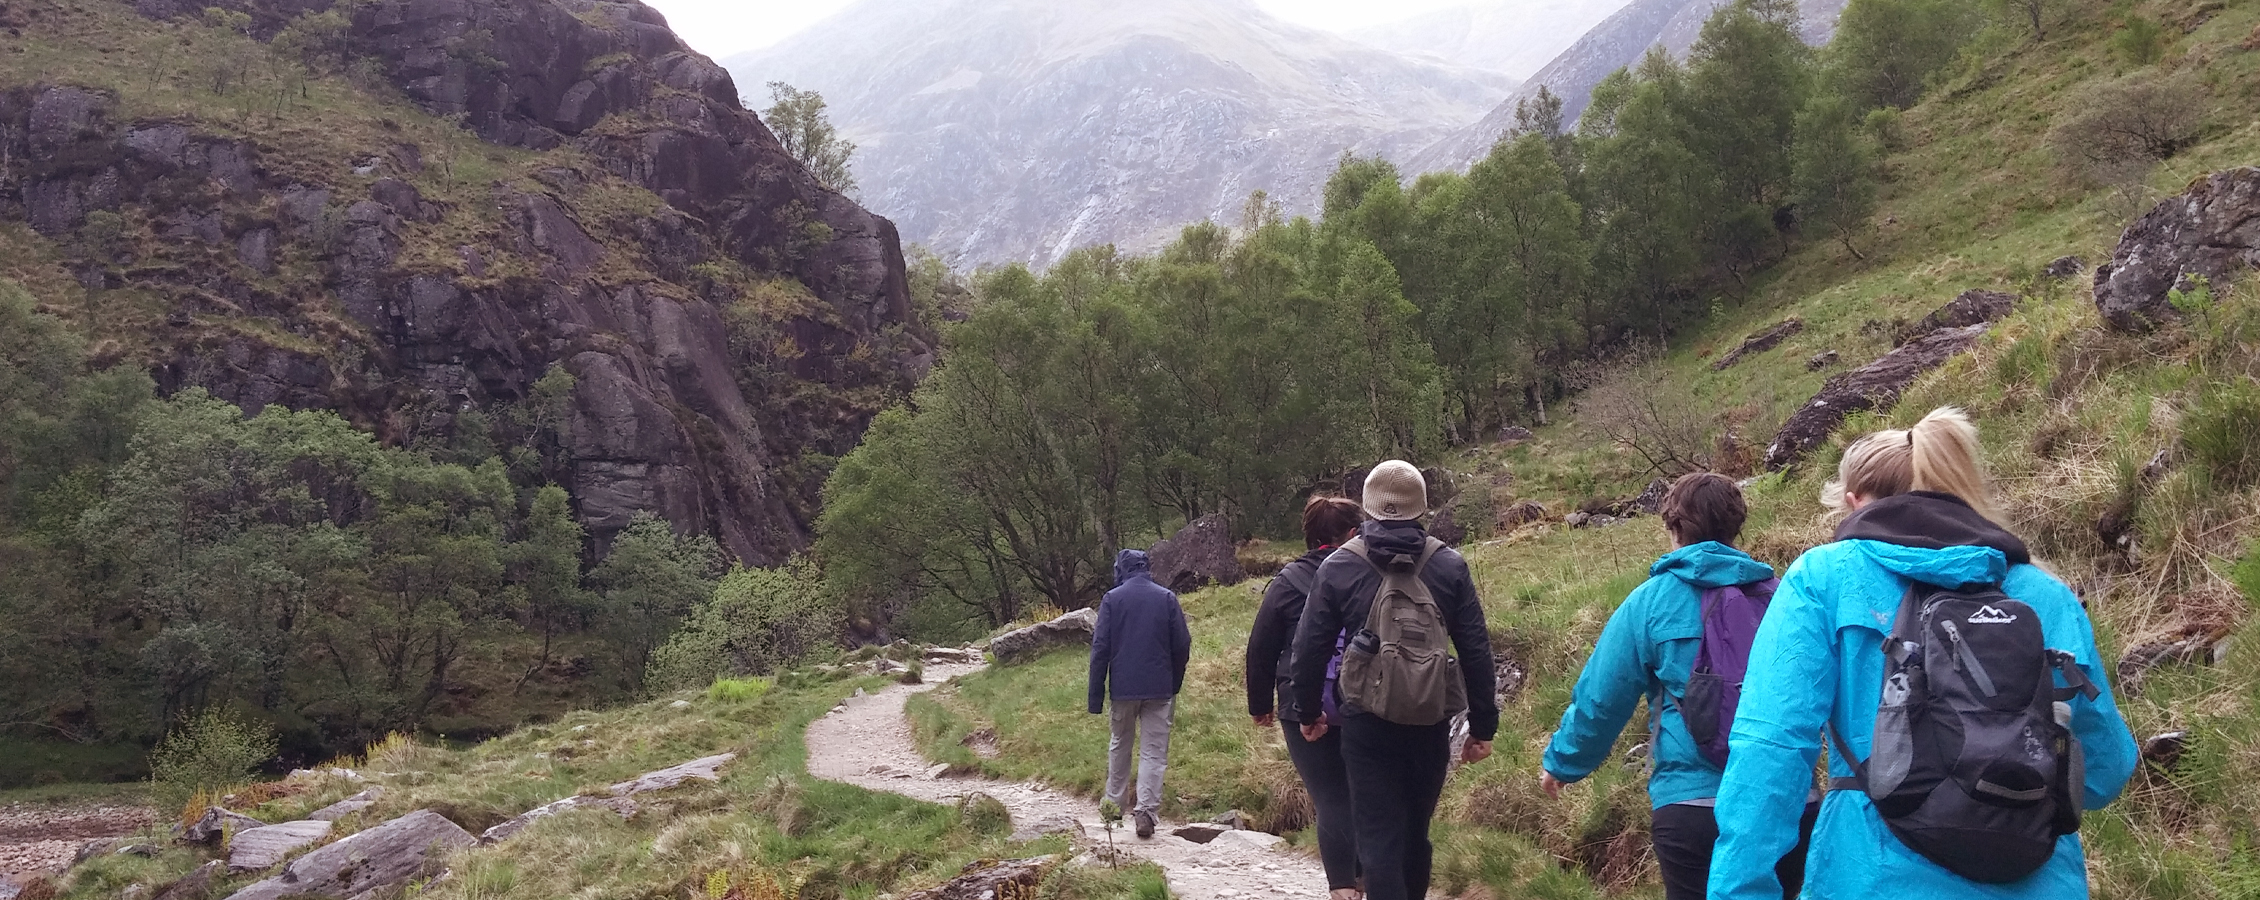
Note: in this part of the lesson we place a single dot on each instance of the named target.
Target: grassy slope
(765, 822)
(2069, 413)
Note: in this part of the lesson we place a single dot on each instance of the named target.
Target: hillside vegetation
(2126, 458)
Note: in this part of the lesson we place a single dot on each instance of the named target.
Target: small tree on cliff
(798, 119)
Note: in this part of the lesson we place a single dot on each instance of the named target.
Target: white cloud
(720, 28)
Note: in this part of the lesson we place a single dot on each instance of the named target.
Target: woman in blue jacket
(1647, 650)
(1920, 512)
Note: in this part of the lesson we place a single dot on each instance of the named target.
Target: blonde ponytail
(1948, 459)
(1941, 453)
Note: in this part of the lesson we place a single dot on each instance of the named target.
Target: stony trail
(868, 744)
(39, 837)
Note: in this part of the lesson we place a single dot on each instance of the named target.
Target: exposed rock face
(621, 806)
(360, 864)
(2212, 230)
(1018, 130)
(662, 417)
(1016, 647)
(262, 848)
(1974, 307)
(1619, 41)
(1198, 554)
(1760, 342)
(1876, 385)
(1515, 37)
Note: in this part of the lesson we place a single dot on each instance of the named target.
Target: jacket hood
(1393, 546)
(1711, 564)
(1935, 539)
(1130, 564)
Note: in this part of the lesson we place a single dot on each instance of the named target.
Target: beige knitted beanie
(1394, 491)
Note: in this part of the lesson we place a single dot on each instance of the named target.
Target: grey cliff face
(1016, 131)
(661, 418)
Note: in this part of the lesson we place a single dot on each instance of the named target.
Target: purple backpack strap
(1731, 615)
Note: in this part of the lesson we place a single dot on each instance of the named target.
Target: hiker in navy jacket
(1648, 650)
(1141, 646)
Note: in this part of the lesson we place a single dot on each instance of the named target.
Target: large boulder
(1972, 307)
(1876, 385)
(2212, 230)
(1198, 554)
(1016, 647)
(383, 857)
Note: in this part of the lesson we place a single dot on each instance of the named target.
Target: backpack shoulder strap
(1299, 578)
(1427, 552)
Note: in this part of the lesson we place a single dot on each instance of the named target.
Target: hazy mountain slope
(1517, 37)
(1615, 43)
(1017, 130)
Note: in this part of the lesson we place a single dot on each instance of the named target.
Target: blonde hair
(1941, 453)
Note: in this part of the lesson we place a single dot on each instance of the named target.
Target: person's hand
(1551, 785)
(1312, 731)
(1475, 751)
(1266, 720)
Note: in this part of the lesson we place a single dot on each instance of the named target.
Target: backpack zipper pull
(1967, 659)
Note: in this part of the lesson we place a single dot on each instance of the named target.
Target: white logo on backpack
(1991, 616)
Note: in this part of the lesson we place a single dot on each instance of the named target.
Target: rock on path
(868, 743)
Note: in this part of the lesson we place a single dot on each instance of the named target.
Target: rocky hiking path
(45, 837)
(867, 743)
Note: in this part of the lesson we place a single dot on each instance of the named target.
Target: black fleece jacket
(1344, 594)
(1273, 636)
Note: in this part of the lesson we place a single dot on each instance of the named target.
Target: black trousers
(1327, 781)
(1685, 836)
(1396, 776)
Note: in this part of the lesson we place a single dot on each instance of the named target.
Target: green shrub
(2221, 431)
(206, 755)
(983, 814)
(2139, 41)
(759, 621)
(740, 690)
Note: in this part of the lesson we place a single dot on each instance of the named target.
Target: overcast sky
(719, 28)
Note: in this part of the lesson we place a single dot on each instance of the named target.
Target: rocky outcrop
(993, 879)
(1876, 385)
(2211, 231)
(364, 863)
(1198, 554)
(620, 806)
(214, 823)
(450, 298)
(1760, 342)
(1025, 644)
(1973, 307)
(347, 806)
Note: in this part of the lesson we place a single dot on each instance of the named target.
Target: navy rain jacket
(1141, 643)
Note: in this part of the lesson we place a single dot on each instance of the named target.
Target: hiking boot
(1145, 822)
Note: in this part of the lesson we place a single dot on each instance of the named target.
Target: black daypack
(1972, 764)
(1714, 687)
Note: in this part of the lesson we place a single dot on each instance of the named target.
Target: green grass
(765, 820)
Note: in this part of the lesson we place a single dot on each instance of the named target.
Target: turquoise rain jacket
(1818, 658)
(1648, 650)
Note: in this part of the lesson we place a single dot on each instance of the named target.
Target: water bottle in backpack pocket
(1714, 687)
(1972, 763)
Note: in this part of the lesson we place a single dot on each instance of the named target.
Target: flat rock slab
(1200, 834)
(1249, 839)
(261, 848)
(1049, 825)
(621, 805)
(381, 857)
(1072, 629)
(346, 807)
(707, 769)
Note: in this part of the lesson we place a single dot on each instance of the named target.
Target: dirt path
(44, 837)
(868, 744)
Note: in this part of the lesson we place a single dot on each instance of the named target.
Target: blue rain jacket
(1141, 643)
(1819, 658)
(1648, 650)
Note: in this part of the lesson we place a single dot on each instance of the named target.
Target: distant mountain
(1015, 130)
(1517, 37)
(1618, 41)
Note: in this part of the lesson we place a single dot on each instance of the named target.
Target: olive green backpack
(1400, 667)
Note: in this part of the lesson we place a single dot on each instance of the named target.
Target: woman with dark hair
(1327, 522)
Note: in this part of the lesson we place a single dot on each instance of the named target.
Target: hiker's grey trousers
(1142, 725)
